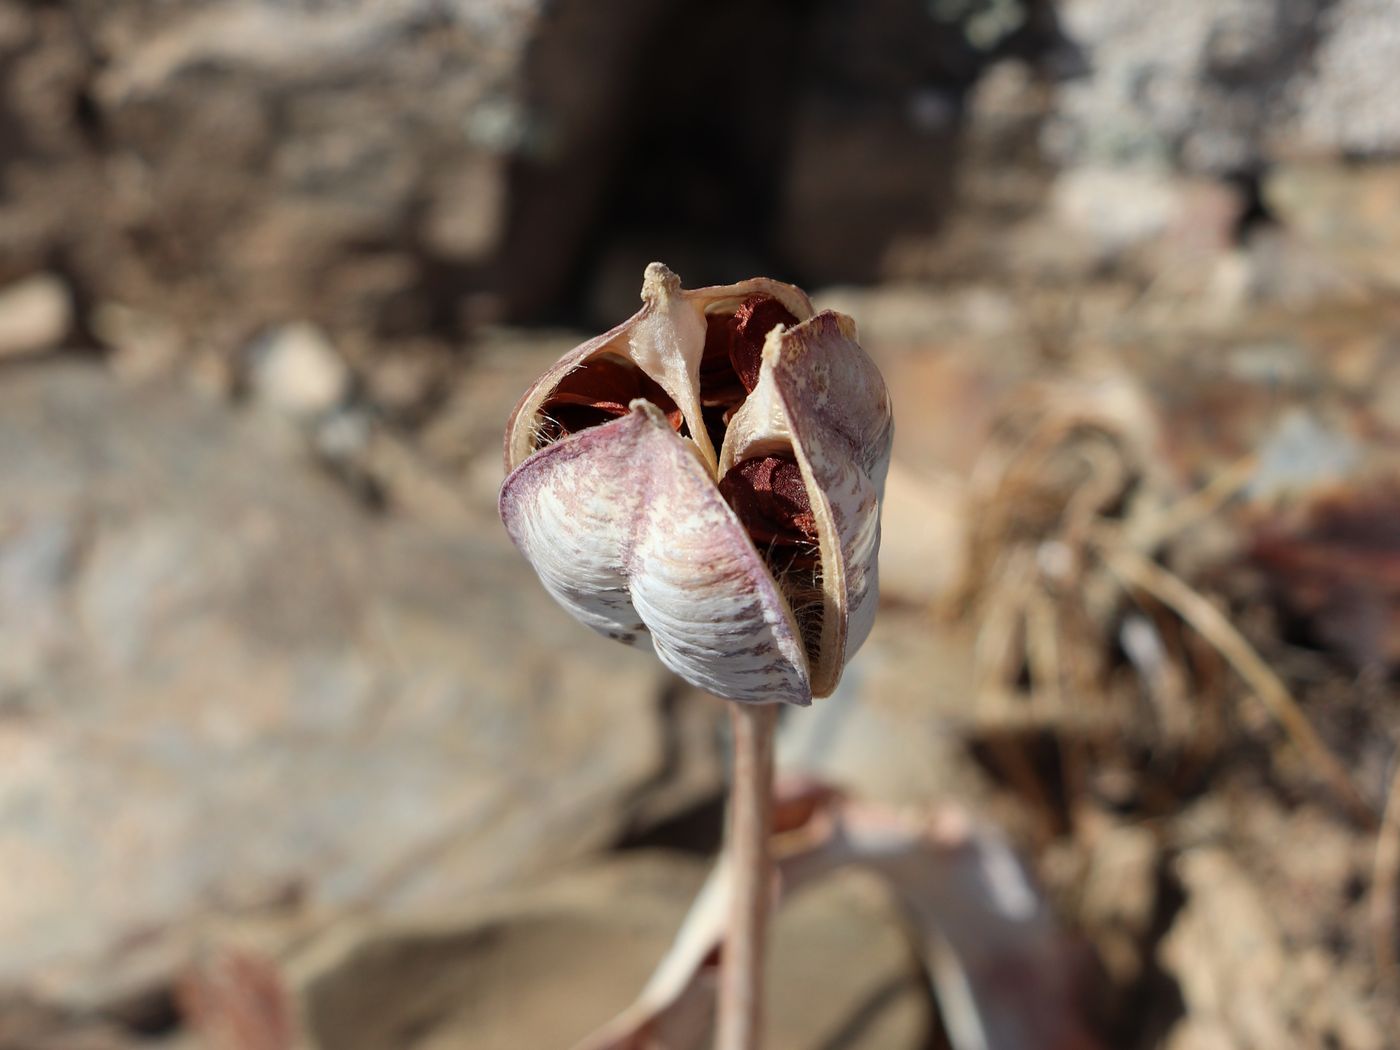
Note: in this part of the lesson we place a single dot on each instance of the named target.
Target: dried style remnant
(709, 474)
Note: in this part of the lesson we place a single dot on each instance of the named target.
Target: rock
(392, 170)
(244, 697)
(294, 370)
(894, 728)
(35, 315)
(28, 1026)
(1223, 87)
(540, 968)
(922, 538)
(1386, 395)
(1119, 897)
(840, 973)
(547, 967)
(1345, 94)
(1347, 215)
(36, 556)
(272, 161)
(1243, 984)
(1302, 455)
(1193, 1034)
(1116, 208)
(876, 127)
(1226, 952)
(141, 345)
(468, 209)
(1186, 82)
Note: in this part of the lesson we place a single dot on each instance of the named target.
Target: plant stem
(750, 871)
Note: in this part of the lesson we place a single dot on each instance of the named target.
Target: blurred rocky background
(294, 750)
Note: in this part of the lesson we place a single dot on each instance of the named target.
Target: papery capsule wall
(626, 529)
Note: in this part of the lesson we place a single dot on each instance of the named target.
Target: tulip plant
(707, 476)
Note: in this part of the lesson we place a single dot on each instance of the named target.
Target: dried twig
(1197, 506)
(1208, 621)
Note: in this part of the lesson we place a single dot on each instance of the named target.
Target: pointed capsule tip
(658, 280)
(773, 343)
(652, 413)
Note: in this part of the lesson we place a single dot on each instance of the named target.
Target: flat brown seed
(756, 317)
(770, 498)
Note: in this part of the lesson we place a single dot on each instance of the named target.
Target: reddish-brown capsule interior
(732, 357)
(734, 349)
(598, 392)
(767, 492)
(771, 500)
(600, 389)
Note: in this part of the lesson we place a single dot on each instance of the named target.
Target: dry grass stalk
(1215, 627)
(1385, 884)
(1063, 460)
(1071, 508)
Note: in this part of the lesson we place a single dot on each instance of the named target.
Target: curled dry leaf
(708, 476)
(1004, 976)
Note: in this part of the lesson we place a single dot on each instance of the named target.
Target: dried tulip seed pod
(708, 474)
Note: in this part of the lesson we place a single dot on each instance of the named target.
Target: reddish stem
(751, 871)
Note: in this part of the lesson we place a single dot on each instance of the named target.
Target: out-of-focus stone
(555, 962)
(1119, 897)
(1350, 215)
(840, 973)
(1243, 982)
(1178, 228)
(247, 698)
(268, 157)
(1116, 208)
(1346, 94)
(571, 953)
(141, 345)
(32, 1026)
(1193, 1034)
(1302, 455)
(1386, 394)
(468, 209)
(37, 555)
(1226, 952)
(35, 315)
(295, 370)
(1225, 86)
(254, 156)
(895, 727)
(923, 537)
